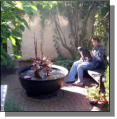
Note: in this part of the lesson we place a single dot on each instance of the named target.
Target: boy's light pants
(78, 67)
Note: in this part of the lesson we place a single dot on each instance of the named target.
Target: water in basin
(54, 74)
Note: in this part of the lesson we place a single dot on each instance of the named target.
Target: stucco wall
(27, 45)
(45, 35)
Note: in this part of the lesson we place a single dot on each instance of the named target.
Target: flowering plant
(94, 95)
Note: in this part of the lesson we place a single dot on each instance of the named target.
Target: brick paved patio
(70, 98)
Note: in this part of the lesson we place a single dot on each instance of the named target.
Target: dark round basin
(41, 87)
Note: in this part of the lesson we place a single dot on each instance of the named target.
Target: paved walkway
(70, 98)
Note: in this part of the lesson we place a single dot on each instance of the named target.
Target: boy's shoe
(76, 83)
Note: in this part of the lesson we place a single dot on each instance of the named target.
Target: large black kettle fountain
(38, 86)
(41, 77)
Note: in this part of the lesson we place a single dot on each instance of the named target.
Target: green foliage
(106, 84)
(12, 26)
(6, 59)
(63, 62)
(13, 22)
(45, 9)
(101, 26)
(12, 106)
(93, 94)
(76, 56)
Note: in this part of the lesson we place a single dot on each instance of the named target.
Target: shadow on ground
(70, 98)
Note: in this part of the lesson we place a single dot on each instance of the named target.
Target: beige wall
(28, 39)
(27, 46)
(46, 35)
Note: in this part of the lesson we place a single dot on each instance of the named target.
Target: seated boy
(79, 66)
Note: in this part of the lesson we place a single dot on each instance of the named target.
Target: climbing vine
(101, 24)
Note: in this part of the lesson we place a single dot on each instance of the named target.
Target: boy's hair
(95, 38)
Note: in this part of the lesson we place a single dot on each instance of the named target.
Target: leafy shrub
(93, 94)
(63, 62)
(106, 84)
(6, 62)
